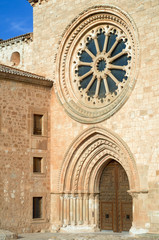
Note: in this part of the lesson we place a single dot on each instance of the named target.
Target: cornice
(33, 2)
(22, 38)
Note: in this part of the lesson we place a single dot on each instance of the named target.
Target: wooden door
(115, 202)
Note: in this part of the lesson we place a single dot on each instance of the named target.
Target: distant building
(79, 119)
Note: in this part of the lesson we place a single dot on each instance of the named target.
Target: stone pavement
(6, 235)
(87, 236)
(107, 235)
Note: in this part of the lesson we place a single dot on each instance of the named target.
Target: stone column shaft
(97, 209)
(87, 209)
(92, 209)
(74, 210)
(78, 210)
(68, 210)
(81, 209)
(71, 210)
(61, 208)
(65, 210)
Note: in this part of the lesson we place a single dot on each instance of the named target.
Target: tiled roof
(23, 76)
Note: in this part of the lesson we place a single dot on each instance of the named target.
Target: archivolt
(88, 155)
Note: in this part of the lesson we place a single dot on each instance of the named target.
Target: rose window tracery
(102, 64)
(97, 64)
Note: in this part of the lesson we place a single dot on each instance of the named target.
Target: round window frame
(112, 97)
(93, 17)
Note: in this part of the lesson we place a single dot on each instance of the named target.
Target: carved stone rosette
(97, 64)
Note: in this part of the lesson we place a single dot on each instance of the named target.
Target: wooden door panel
(126, 213)
(106, 216)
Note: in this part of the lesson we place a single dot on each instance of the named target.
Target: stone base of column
(79, 228)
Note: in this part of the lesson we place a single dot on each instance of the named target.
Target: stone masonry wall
(18, 146)
(136, 122)
(24, 48)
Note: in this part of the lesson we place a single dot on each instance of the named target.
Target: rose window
(97, 64)
(102, 64)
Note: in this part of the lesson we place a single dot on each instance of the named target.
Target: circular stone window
(97, 64)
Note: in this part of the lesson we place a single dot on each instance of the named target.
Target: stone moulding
(76, 101)
(79, 178)
(27, 38)
(88, 155)
(22, 38)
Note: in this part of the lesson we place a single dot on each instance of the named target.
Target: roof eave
(25, 79)
(24, 37)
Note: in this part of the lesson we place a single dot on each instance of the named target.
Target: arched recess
(88, 154)
(80, 174)
(15, 58)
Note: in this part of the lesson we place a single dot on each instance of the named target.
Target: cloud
(10, 27)
(20, 27)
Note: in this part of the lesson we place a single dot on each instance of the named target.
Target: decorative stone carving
(81, 171)
(135, 193)
(97, 64)
(84, 162)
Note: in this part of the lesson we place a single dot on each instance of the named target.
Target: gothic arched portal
(81, 173)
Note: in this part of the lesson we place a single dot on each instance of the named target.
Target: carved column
(92, 208)
(61, 208)
(81, 208)
(68, 209)
(65, 210)
(87, 209)
(78, 209)
(97, 209)
(84, 208)
(71, 209)
(134, 195)
(74, 210)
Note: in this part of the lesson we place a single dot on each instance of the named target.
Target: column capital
(136, 193)
(96, 195)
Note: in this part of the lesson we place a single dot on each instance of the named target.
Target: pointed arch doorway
(79, 197)
(115, 202)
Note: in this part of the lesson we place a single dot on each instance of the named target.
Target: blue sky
(16, 18)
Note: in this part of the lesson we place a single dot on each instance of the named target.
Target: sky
(16, 18)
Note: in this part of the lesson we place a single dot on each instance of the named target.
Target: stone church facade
(79, 119)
